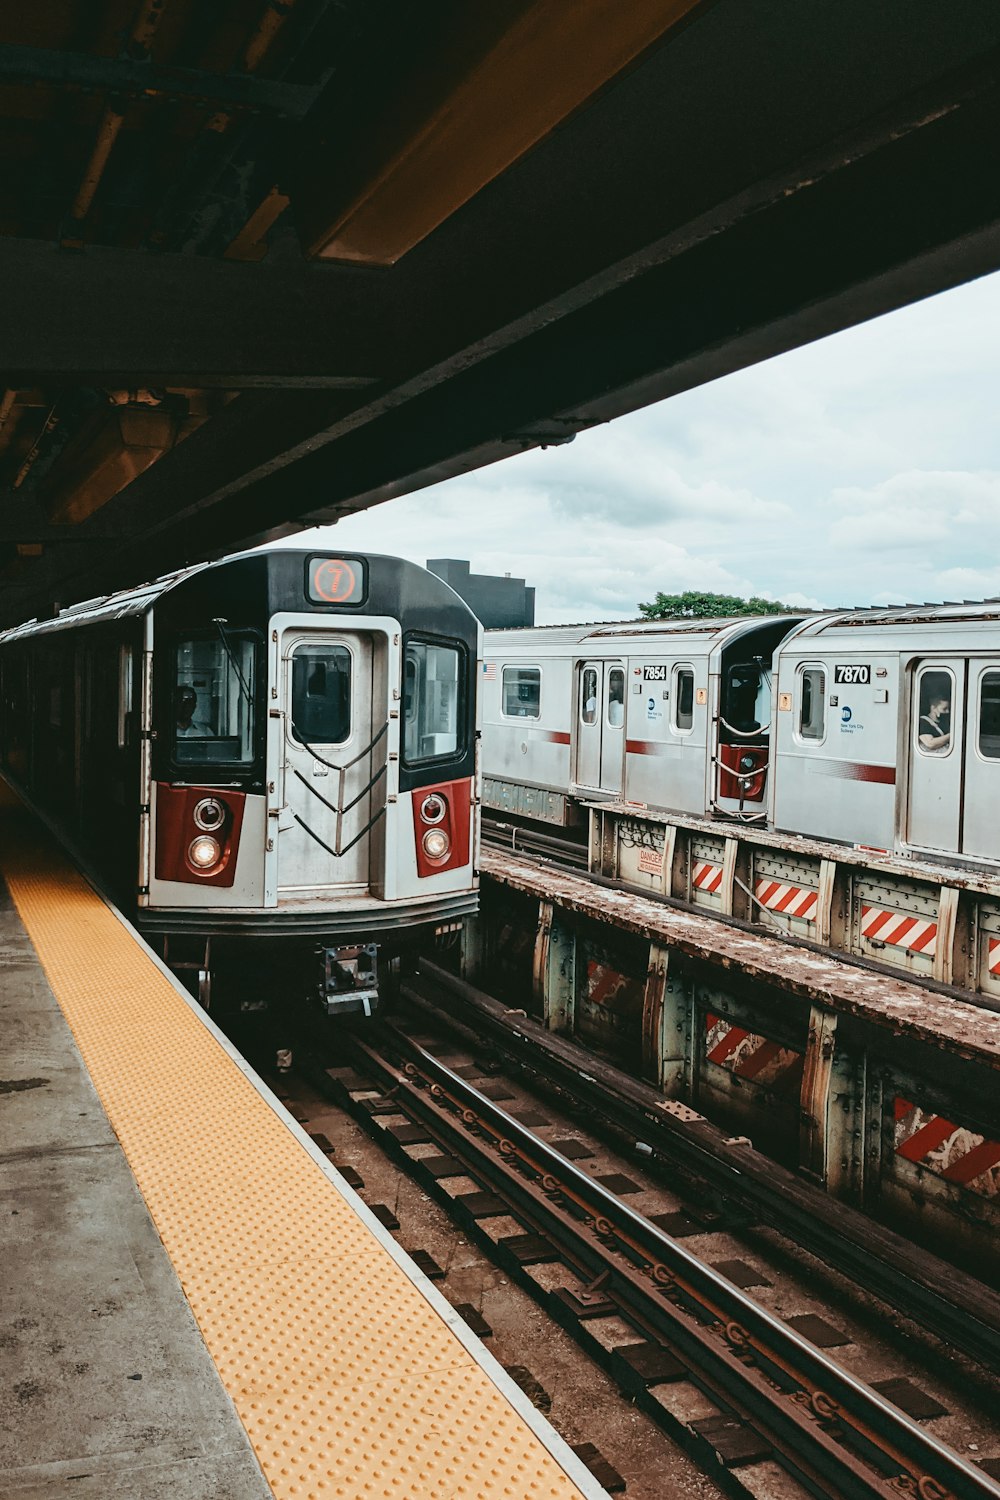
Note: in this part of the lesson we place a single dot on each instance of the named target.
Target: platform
(202, 1307)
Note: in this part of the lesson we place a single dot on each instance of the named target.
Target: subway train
(877, 727)
(269, 762)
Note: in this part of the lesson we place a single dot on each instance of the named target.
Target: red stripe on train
(849, 770)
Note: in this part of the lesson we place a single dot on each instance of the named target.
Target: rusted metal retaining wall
(880, 1089)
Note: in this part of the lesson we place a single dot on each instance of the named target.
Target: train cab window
(522, 692)
(321, 695)
(812, 706)
(683, 699)
(989, 715)
(431, 677)
(616, 698)
(935, 690)
(588, 696)
(215, 700)
(747, 702)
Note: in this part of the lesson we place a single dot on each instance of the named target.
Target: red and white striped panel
(951, 1151)
(793, 900)
(706, 877)
(612, 990)
(993, 961)
(916, 934)
(751, 1056)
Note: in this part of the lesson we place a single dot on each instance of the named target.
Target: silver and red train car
(877, 727)
(269, 761)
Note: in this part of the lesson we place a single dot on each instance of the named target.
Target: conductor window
(215, 700)
(430, 701)
(936, 688)
(321, 695)
(989, 715)
(616, 698)
(588, 696)
(812, 716)
(683, 699)
(522, 692)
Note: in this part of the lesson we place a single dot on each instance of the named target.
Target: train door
(613, 728)
(333, 750)
(937, 731)
(589, 720)
(982, 760)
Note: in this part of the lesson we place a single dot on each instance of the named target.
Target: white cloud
(861, 469)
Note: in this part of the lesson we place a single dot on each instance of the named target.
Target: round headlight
(203, 852)
(209, 813)
(433, 808)
(436, 843)
(747, 763)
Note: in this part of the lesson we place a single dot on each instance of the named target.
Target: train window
(430, 701)
(215, 700)
(522, 692)
(935, 690)
(125, 669)
(989, 715)
(812, 708)
(683, 699)
(321, 695)
(616, 698)
(588, 696)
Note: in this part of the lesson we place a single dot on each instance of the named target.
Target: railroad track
(565, 851)
(770, 1391)
(948, 1302)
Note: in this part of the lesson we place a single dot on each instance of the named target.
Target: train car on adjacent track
(882, 730)
(673, 713)
(268, 761)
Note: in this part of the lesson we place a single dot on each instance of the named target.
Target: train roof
(131, 602)
(619, 631)
(904, 617)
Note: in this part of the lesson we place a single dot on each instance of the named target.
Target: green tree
(695, 606)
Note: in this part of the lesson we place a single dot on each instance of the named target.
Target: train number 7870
(852, 673)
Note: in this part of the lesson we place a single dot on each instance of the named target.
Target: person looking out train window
(188, 725)
(934, 723)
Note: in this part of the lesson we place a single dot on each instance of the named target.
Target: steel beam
(130, 78)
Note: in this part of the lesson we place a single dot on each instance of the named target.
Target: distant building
(500, 603)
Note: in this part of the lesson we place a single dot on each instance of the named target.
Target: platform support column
(472, 948)
(555, 968)
(814, 1100)
(667, 1044)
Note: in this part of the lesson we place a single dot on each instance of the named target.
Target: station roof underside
(268, 262)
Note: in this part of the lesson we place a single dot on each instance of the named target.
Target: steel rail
(940, 1298)
(820, 1418)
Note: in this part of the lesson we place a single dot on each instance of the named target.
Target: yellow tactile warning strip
(347, 1379)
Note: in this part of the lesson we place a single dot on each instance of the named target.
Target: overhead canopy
(268, 262)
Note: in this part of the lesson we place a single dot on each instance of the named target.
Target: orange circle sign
(334, 581)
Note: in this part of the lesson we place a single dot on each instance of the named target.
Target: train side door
(329, 761)
(589, 724)
(982, 760)
(937, 733)
(613, 728)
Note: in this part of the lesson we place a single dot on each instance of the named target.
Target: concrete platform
(106, 1386)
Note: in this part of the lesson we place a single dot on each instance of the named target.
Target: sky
(862, 469)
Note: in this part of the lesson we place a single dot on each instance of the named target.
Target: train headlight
(747, 763)
(203, 852)
(209, 814)
(436, 843)
(433, 808)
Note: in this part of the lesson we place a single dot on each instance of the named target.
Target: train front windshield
(215, 700)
